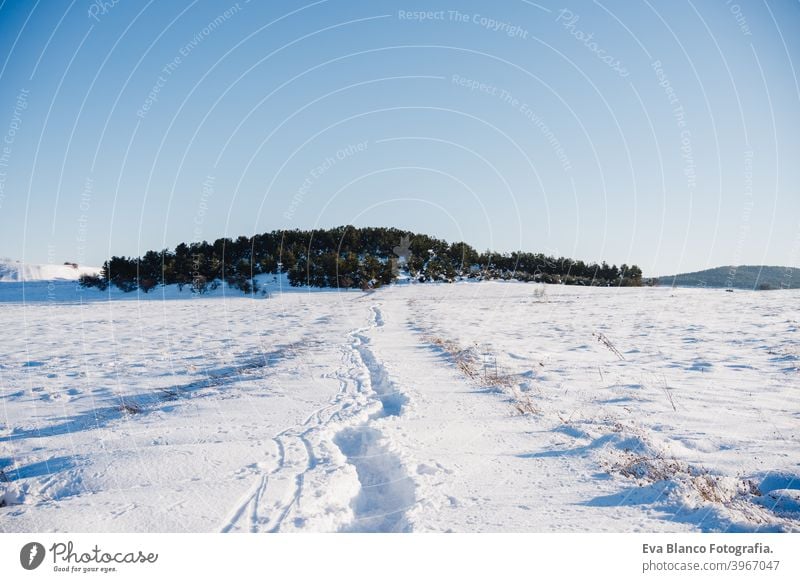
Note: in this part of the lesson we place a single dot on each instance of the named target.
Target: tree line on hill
(343, 257)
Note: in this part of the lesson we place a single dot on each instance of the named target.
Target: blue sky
(658, 133)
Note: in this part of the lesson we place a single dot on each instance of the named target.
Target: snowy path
(386, 491)
(318, 456)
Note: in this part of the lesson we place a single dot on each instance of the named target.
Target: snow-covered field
(467, 407)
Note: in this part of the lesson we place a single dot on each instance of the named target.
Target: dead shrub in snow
(719, 489)
(524, 404)
(649, 468)
(492, 375)
(465, 360)
(707, 486)
(481, 366)
(497, 379)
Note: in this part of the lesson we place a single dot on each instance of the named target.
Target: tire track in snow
(274, 492)
(247, 501)
(311, 463)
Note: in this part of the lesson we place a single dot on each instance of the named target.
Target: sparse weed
(708, 486)
(524, 404)
(600, 336)
(649, 468)
(492, 375)
(717, 489)
(669, 394)
(465, 360)
(500, 380)
(480, 365)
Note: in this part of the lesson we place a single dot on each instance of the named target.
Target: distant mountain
(741, 277)
(15, 271)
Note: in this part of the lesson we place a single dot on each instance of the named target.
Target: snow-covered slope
(67, 291)
(16, 271)
(468, 407)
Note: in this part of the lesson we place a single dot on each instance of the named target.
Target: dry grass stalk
(483, 370)
(608, 344)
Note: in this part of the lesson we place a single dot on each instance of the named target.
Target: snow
(467, 407)
(69, 291)
(15, 271)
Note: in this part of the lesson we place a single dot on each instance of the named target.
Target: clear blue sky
(658, 133)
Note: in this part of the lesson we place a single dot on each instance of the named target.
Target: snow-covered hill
(16, 271)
